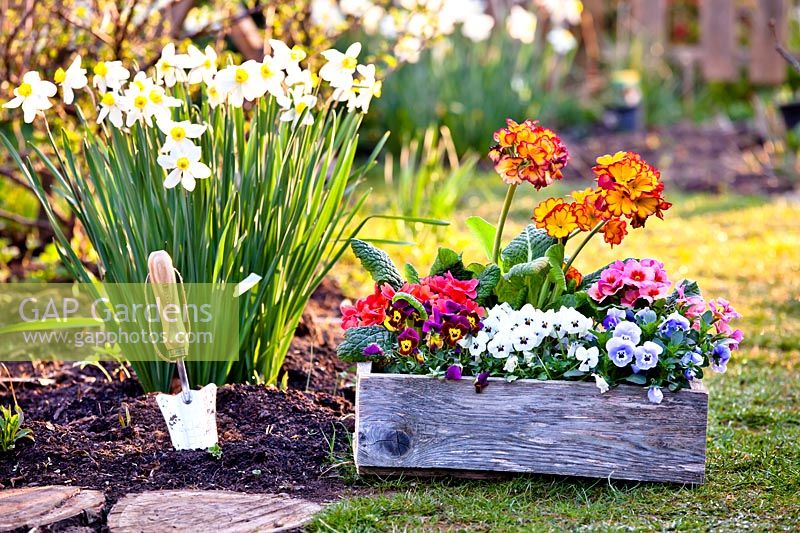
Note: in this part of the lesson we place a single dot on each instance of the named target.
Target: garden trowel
(191, 416)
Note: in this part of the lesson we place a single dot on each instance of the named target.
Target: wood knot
(396, 443)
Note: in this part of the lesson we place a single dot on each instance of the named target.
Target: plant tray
(409, 424)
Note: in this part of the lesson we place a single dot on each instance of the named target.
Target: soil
(109, 435)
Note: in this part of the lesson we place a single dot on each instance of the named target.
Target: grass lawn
(741, 248)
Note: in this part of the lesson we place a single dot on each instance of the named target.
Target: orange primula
(614, 231)
(560, 221)
(528, 152)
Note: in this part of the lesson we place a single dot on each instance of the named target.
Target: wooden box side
(409, 423)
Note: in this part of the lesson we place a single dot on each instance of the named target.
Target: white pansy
(72, 79)
(267, 75)
(109, 75)
(525, 339)
(33, 95)
(111, 107)
(326, 15)
(179, 134)
(601, 383)
(295, 103)
(588, 357)
(238, 84)
(521, 24)
(573, 322)
(170, 66)
(339, 69)
(561, 40)
(543, 322)
(286, 58)
(476, 344)
(478, 28)
(184, 166)
(501, 345)
(203, 65)
(511, 363)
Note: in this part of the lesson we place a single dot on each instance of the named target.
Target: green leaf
(574, 373)
(531, 244)
(356, 339)
(377, 263)
(514, 291)
(484, 232)
(449, 261)
(413, 302)
(535, 268)
(636, 379)
(555, 257)
(487, 281)
(411, 273)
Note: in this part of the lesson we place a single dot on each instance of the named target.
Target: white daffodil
(407, 49)
(179, 134)
(213, 94)
(478, 27)
(561, 40)
(170, 66)
(339, 69)
(302, 78)
(365, 89)
(521, 24)
(355, 8)
(203, 65)
(371, 19)
(325, 14)
(144, 100)
(267, 75)
(72, 79)
(294, 105)
(286, 58)
(239, 84)
(588, 357)
(33, 95)
(109, 75)
(111, 107)
(563, 11)
(185, 167)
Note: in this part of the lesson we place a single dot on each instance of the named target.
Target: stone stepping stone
(202, 510)
(34, 507)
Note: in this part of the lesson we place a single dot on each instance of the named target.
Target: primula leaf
(555, 257)
(514, 291)
(377, 263)
(637, 379)
(411, 273)
(531, 244)
(577, 300)
(487, 281)
(484, 232)
(413, 302)
(537, 267)
(449, 261)
(356, 339)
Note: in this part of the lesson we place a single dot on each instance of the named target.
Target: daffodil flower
(179, 134)
(238, 84)
(72, 79)
(185, 167)
(111, 107)
(109, 75)
(363, 91)
(203, 65)
(170, 66)
(213, 95)
(295, 103)
(145, 100)
(325, 14)
(267, 76)
(339, 69)
(32, 95)
(286, 58)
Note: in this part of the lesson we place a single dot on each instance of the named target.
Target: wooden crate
(409, 424)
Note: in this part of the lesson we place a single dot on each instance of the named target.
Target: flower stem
(498, 236)
(583, 243)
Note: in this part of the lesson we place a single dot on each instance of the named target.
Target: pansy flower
(408, 342)
(455, 329)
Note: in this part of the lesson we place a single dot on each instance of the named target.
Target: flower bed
(530, 316)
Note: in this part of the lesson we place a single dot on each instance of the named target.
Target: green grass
(746, 249)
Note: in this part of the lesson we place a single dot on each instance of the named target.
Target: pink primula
(631, 280)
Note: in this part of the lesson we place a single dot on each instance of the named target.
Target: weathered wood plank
(547, 427)
(198, 510)
(34, 507)
(766, 64)
(718, 39)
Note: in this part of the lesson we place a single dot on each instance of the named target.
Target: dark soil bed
(108, 435)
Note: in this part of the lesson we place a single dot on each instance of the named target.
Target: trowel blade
(192, 425)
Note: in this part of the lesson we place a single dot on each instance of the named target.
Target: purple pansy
(453, 373)
(482, 381)
(720, 357)
(673, 323)
(373, 350)
(613, 317)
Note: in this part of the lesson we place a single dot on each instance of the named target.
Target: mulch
(110, 436)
